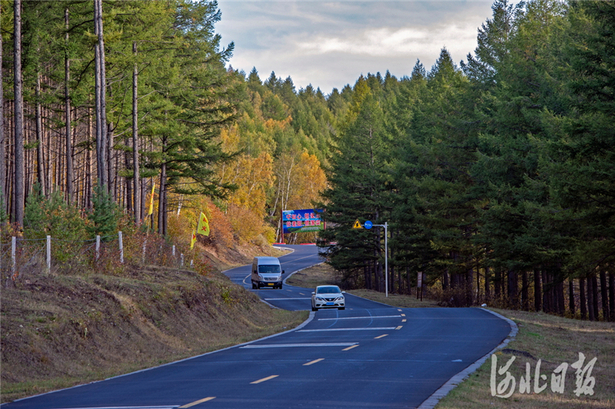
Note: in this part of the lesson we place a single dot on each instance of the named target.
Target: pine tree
(358, 181)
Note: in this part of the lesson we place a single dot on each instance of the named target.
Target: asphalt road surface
(367, 356)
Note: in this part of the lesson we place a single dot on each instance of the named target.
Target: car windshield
(328, 290)
(269, 269)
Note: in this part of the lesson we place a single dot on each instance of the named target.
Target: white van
(266, 272)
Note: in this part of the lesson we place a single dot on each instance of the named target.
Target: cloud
(387, 42)
(330, 44)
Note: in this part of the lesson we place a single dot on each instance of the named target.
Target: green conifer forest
(495, 174)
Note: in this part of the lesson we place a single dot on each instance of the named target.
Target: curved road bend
(367, 356)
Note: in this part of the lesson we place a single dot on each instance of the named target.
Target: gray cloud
(329, 44)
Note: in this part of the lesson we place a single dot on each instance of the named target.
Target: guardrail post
(121, 247)
(13, 253)
(97, 247)
(48, 253)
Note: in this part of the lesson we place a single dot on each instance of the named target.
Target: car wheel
(314, 309)
(280, 287)
(341, 308)
(253, 285)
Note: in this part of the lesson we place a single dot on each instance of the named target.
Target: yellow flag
(203, 227)
(193, 239)
(151, 201)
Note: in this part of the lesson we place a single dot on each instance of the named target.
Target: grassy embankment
(551, 339)
(60, 330)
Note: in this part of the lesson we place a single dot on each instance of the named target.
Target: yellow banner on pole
(193, 239)
(151, 201)
(203, 226)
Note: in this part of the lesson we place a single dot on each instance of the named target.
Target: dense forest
(495, 176)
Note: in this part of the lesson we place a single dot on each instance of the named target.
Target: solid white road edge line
(358, 318)
(328, 344)
(347, 329)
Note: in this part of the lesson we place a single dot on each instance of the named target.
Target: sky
(330, 44)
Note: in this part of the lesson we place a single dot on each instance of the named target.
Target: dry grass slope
(62, 330)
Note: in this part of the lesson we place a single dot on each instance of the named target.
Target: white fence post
(13, 252)
(173, 251)
(143, 256)
(48, 253)
(121, 247)
(182, 259)
(97, 247)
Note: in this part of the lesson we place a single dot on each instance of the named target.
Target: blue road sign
(367, 224)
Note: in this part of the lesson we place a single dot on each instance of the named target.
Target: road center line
(197, 402)
(264, 379)
(314, 361)
(358, 318)
(347, 329)
(285, 299)
(399, 327)
(315, 344)
(381, 336)
(349, 348)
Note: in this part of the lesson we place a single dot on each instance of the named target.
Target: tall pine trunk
(582, 298)
(571, 305)
(100, 85)
(590, 298)
(67, 107)
(497, 288)
(525, 302)
(537, 291)
(135, 141)
(604, 295)
(595, 296)
(487, 288)
(40, 159)
(3, 195)
(513, 289)
(19, 167)
(612, 295)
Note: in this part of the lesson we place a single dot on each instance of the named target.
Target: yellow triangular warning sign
(357, 225)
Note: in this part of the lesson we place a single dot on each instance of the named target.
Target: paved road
(367, 356)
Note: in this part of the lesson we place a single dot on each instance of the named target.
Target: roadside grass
(551, 339)
(319, 274)
(396, 300)
(323, 273)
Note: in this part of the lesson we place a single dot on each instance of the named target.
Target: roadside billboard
(303, 220)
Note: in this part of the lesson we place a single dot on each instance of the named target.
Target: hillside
(63, 330)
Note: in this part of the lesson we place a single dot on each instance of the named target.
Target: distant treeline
(497, 176)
